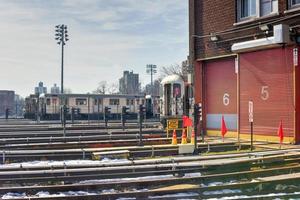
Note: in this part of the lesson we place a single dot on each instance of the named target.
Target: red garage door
(220, 93)
(266, 77)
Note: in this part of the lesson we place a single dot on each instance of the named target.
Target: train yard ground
(92, 161)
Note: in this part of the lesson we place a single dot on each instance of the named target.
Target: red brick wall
(211, 16)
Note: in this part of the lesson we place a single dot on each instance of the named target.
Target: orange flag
(223, 127)
(280, 132)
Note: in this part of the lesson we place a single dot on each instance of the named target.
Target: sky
(106, 38)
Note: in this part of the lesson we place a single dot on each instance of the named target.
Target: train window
(137, 101)
(54, 101)
(81, 101)
(176, 90)
(143, 101)
(48, 102)
(129, 102)
(98, 101)
(114, 101)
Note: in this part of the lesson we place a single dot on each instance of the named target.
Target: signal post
(106, 115)
(142, 112)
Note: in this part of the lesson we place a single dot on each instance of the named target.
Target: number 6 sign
(226, 100)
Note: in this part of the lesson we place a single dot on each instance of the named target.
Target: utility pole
(151, 69)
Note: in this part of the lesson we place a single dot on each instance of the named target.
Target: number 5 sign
(264, 95)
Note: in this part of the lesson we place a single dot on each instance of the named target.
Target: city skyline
(105, 37)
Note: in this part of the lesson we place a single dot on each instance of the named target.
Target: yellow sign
(173, 124)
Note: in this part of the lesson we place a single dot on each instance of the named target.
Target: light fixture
(264, 27)
(214, 38)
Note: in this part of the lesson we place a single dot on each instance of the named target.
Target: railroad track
(57, 127)
(32, 134)
(103, 136)
(149, 150)
(240, 174)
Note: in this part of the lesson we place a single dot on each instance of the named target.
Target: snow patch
(53, 163)
(190, 194)
(13, 195)
(125, 179)
(225, 191)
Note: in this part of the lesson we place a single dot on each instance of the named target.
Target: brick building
(246, 50)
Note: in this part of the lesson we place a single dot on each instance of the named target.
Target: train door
(167, 100)
(149, 110)
(220, 93)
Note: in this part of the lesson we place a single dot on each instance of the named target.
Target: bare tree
(172, 69)
(102, 88)
(113, 88)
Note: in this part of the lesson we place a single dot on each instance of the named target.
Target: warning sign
(250, 111)
(173, 124)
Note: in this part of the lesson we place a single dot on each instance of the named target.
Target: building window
(248, 9)
(268, 6)
(81, 101)
(114, 101)
(294, 3)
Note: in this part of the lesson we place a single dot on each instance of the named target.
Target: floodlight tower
(61, 35)
(151, 69)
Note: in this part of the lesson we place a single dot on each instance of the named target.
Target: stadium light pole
(151, 69)
(61, 36)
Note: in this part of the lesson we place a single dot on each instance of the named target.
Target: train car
(88, 106)
(172, 98)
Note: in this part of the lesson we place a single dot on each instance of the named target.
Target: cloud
(106, 37)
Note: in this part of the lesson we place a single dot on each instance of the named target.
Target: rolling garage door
(220, 93)
(266, 77)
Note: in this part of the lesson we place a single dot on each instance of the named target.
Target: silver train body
(89, 105)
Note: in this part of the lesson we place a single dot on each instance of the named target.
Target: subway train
(89, 106)
(174, 101)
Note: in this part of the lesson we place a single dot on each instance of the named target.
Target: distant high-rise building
(7, 101)
(40, 89)
(129, 83)
(19, 105)
(156, 88)
(55, 89)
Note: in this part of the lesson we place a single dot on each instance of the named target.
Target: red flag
(280, 132)
(187, 121)
(223, 127)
